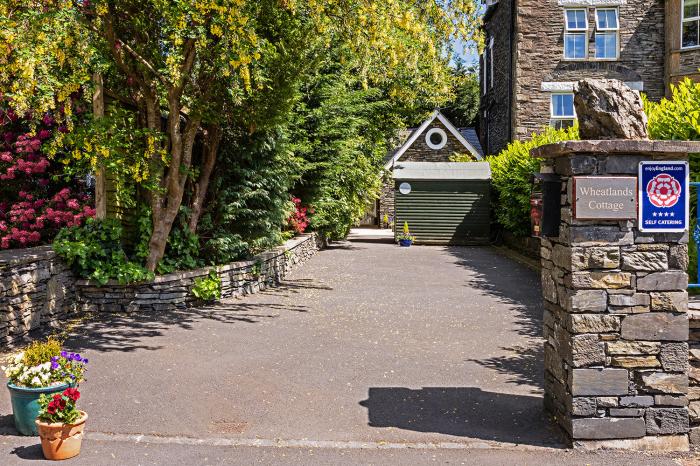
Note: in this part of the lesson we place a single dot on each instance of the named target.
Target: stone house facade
(537, 49)
(682, 41)
(436, 140)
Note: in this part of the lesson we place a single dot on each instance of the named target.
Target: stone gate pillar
(615, 322)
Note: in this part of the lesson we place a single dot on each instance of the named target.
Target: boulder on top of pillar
(609, 109)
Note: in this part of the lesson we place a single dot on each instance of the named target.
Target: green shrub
(678, 118)
(40, 352)
(182, 251)
(208, 288)
(94, 251)
(511, 177)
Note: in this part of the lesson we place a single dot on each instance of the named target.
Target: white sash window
(562, 110)
(575, 34)
(690, 35)
(607, 33)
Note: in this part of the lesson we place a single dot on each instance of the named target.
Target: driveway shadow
(7, 425)
(127, 332)
(517, 287)
(30, 452)
(464, 412)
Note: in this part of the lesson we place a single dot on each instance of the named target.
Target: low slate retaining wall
(174, 290)
(694, 372)
(36, 290)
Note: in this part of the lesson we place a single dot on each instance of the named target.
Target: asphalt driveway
(367, 344)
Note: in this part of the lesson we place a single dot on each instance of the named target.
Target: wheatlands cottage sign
(612, 197)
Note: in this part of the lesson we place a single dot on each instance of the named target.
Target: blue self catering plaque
(664, 196)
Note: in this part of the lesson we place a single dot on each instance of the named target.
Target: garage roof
(442, 171)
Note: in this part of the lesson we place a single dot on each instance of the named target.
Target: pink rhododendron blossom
(299, 220)
(32, 206)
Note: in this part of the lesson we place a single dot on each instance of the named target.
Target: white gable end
(417, 133)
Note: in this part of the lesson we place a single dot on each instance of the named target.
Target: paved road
(369, 353)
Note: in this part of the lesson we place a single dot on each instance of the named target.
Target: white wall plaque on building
(568, 86)
(405, 188)
(605, 197)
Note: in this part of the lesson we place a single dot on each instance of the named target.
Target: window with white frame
(607, 29)
(562, 110)
(575, 33)
(690, 36)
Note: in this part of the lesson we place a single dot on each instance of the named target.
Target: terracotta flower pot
(61, 441)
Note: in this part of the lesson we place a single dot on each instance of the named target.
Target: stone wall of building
(495, 106)
(386, 200)
(540, 51)
(421, 152)
(615, 322)
(36, 290)
(689, 64)
(174, 290)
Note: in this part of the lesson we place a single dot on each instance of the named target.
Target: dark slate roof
(470, 135)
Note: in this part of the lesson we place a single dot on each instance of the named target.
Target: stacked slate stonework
(694, 372)
(616, 305)
(616, 315)
(36, 290)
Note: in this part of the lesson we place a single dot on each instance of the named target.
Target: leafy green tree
(463, 108)
(187, 65)
(342, 131)
(250, 200)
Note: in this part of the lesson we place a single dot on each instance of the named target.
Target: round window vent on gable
(436, 138)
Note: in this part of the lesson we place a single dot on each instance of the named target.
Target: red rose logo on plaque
(664, 191)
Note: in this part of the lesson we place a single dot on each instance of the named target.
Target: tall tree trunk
(166, 206)
(212, 138)
(98, 111)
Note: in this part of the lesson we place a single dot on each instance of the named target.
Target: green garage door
(444, 211)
